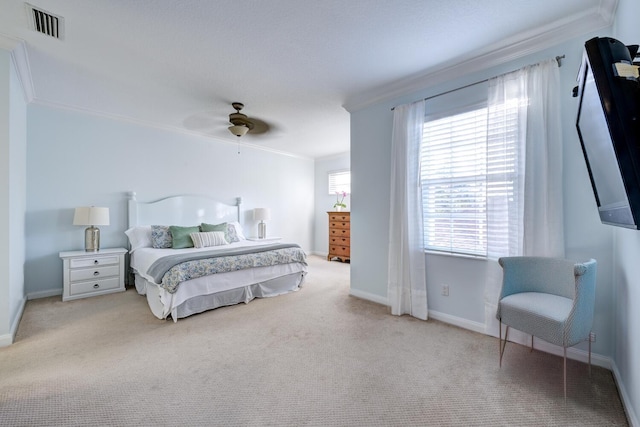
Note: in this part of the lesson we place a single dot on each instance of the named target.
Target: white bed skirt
(201, 294)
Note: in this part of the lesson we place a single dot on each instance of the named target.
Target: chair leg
(531, 349)
(565, 373)
(589, 357)
(503, 344)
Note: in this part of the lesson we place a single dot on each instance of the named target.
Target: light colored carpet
(317, 357)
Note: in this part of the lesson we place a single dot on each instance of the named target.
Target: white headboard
(181, 210)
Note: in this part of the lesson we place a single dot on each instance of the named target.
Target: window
(463, 163)
(339, 181)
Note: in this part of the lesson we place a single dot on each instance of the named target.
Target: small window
(340, 181)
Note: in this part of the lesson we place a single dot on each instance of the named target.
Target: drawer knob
(95, 261)
(96, 273)
(96, 286)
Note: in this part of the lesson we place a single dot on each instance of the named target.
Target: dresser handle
(96, 273)
(96, 286)
(95, 261)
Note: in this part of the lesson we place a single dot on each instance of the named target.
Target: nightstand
(87, 274)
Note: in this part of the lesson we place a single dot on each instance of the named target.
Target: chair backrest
(538, 274)
(581, 317)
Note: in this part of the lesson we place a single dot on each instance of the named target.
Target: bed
(188, 254)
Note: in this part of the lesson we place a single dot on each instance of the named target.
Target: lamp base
(92, 239)
(262, 230)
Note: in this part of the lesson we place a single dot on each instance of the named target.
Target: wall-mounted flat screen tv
(608, 125)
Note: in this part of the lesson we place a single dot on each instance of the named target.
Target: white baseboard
(368, 296)
(44, 294)
(632, 417)
(457, 321)
(8, 339)
(320, 254)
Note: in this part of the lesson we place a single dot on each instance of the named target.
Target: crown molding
(8, 43)
(18, 49)
(162, 127)
(21, 61)
(512, 48)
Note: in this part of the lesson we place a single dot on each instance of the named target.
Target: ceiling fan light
(238, 130)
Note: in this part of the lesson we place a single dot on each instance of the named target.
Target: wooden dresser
(339, 236)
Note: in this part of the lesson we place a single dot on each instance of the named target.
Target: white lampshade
(262, 214)
(91, 215)
(238, 130)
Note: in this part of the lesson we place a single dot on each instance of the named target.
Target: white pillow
(238, 228)
(208, 238)
(139, 237)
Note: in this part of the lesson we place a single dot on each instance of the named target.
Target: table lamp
(262, 215)
(91, 216)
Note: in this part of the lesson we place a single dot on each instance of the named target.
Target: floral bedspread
(206, 266)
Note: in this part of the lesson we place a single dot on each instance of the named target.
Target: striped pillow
(208, 238)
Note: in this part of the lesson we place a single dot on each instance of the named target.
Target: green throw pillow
(181, 236)
(216, 227)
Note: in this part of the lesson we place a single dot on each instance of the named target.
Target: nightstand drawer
(85, 274)
(93, 273)
(94, 286)
(88, 262)
(339, 217)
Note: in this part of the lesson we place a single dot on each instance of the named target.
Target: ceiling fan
(241, 124)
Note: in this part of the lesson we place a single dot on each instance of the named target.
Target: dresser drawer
(341, 241)
(339, 250)
(88, 262)
(93, 273)
(336, 232)
(339, 217)
(92, 286)
(340, 225)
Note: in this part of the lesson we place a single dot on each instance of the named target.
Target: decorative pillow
(216, 227)
(208, 238)
(139, 237)
(182, 236)
(232, 234)
(161, 236)
(238, 229)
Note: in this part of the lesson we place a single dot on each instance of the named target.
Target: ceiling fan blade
(259, 126)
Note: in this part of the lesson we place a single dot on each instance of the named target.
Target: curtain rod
(559, 59)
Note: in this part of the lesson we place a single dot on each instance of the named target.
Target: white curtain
(534, 217)
(407, 287)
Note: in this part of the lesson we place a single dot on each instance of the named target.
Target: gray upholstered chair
(549, 298)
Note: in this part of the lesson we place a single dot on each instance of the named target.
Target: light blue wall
(585, 236)
(12, 197)
(76, 159)
(323, 201)
(626, 283)
(617, 318)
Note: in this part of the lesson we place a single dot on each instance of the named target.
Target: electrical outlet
(445, 290)
(592, 336)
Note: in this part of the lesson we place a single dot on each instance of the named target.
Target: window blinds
(462, 164)
(339, 181)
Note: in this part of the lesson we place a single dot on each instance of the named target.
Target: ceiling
(297, 65)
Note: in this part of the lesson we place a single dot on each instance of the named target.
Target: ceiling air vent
(45, 22)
